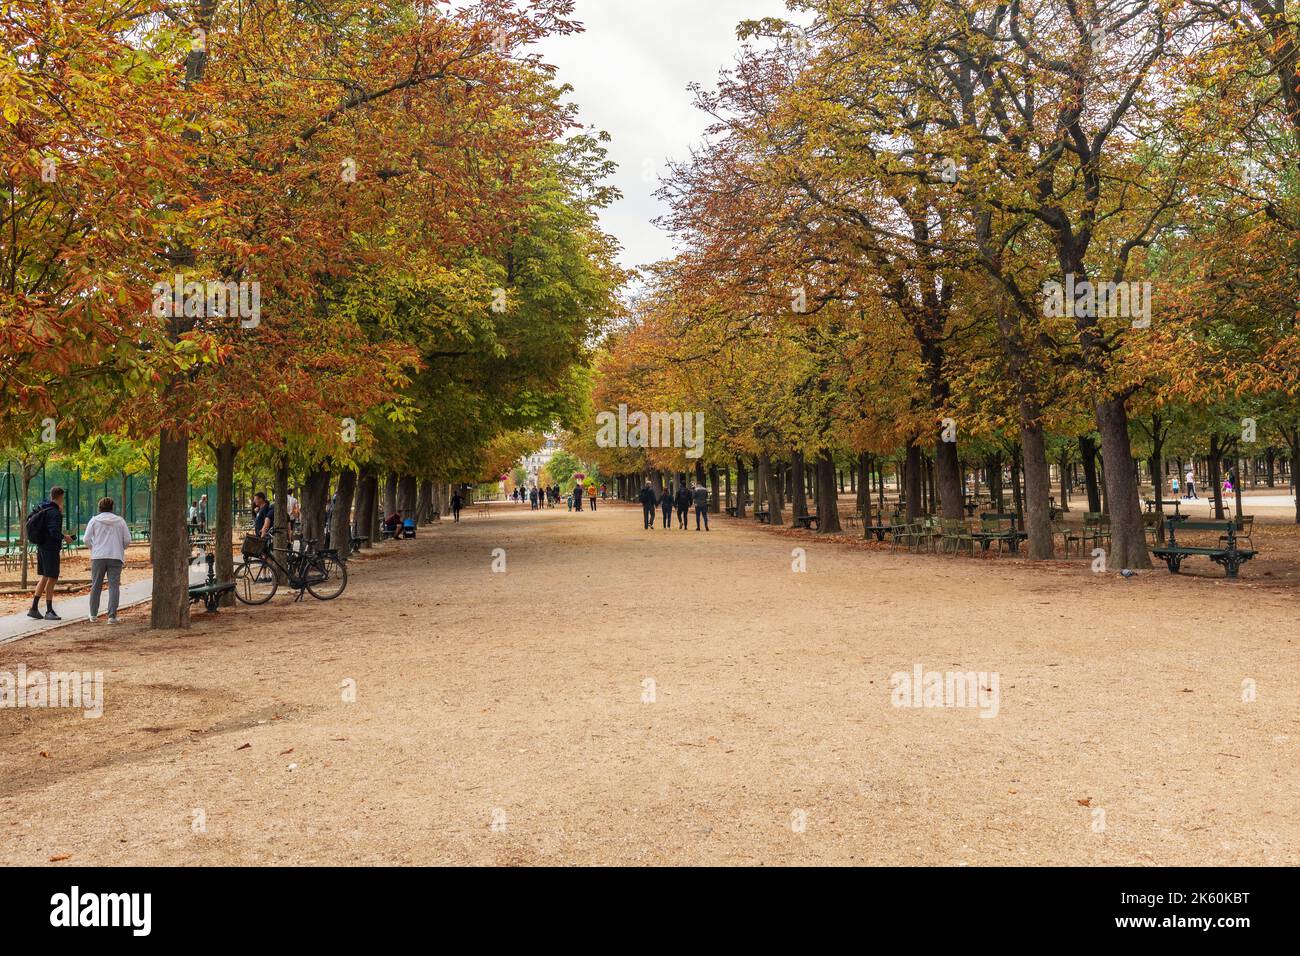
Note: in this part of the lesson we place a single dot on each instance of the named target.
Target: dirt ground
(622, 696)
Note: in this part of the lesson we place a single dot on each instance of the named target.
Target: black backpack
(37, 523)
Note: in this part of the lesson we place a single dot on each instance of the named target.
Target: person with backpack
(107, 537)
(45, 530)
(683, 506)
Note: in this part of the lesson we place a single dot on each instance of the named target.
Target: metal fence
(82, 498)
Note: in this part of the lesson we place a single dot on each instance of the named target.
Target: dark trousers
(668, 517)
(593, 503)
(649, 515)
(682, 514)
(701, 510)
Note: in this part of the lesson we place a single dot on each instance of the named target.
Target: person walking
(683, 506)
(701, 506)
(107, 536)
(577, 496)
(457, 502)
(203, 513)
(647, 499)
(1173, 485)
(666, 506)
(591, 495)
(1191, 485)
(45, 530)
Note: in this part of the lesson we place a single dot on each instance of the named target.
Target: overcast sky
(629, 70)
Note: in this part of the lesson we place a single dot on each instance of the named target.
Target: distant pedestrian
(647, 499)
(1191, 486)
(683, 506)
(457, 502)
(701, 506)
(107, 536)
(1173, 485)
(45, 530)
(577, 496)
(591, 495)
(666, 506)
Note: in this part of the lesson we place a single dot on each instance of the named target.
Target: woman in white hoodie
(108, 537)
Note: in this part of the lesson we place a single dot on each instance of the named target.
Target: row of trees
(967, 227)
(341, 241)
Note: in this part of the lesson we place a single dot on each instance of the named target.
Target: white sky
(629, 70)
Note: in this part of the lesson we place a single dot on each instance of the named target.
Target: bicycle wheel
(255, 581)
(326, 576)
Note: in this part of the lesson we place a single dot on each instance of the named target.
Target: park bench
(209, 593)
(764, 517)
(804, 521)
(354, 544)
(731, 510)
(1230, 556)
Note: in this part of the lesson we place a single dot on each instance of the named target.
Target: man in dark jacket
(647, 499)
(683, 506)
(666, 506)
(701, 506)
(49, 546)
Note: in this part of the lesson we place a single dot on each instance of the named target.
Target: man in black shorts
(49, 539)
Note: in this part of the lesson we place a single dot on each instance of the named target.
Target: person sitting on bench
(392, 523)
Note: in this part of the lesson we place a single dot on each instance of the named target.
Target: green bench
(1228, 555)
(805, 521)
(209, 593)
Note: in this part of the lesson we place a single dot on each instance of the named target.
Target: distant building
(534, 463)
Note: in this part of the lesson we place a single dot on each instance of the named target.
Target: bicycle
(320, 572)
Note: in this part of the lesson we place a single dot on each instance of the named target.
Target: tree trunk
(281, 510)
(1064, 467)
(367, 492)
(390, 493)
(798, 501)
(1127, 535)
(341, 516)
(773, 490)
(714, 503)
(912, 481)
(828, 510)
(947, 479)
(1038, 489)
(223, 565)
(993, 478)
(170, 609)
(742, 487)
(1088, 455)
(315, 496)
(1216, 476)
(424, 503)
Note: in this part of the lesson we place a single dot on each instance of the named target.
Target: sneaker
(33, 613)
(51, 616)
(92, 618)
(113, 620)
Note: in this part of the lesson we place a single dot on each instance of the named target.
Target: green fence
(83, 496)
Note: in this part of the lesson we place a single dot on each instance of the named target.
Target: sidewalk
(72, 609)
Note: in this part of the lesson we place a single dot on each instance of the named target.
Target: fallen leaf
(284, 752)
(61, 857)
(1086, 802)
(245, 747)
